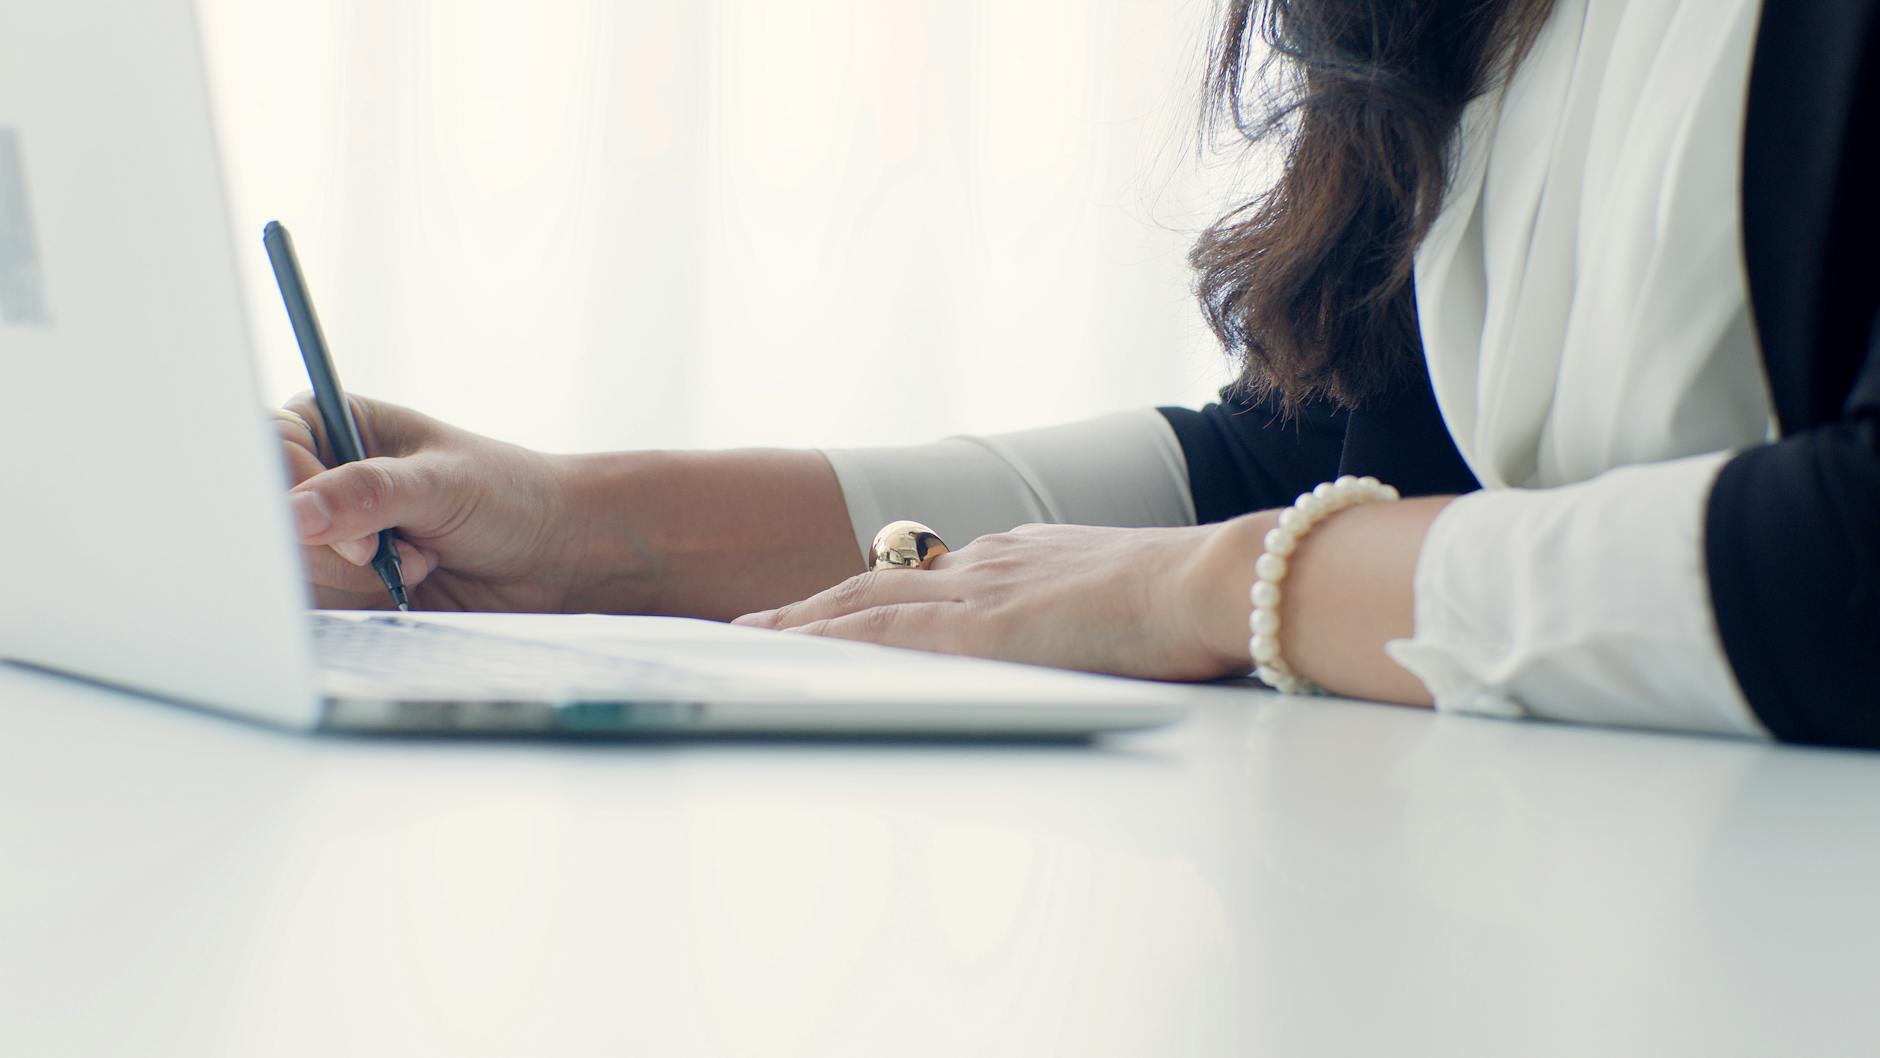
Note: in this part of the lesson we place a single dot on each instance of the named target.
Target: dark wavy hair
(1308, 286)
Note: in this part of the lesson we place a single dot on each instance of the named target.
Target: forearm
(1349, 591)
(1585, 603)
(703, 534)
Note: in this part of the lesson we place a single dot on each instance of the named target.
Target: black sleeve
(1792, 529)
(1243, 456)
(1792, 546)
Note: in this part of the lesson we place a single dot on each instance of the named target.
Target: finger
(414, 563)
(384, 428)
(328, 571)
(936, 626)
(296, 431)
(359, 499)
(301, 461)
(302, 406)
(311, 514)
(860, 592)
(358, 552)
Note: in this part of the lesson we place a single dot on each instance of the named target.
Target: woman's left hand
(1151, 603)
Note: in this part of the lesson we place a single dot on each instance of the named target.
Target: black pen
(341, 431)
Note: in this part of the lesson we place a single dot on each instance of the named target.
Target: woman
(1504, 272)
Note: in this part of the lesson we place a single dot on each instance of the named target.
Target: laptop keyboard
(422, 659)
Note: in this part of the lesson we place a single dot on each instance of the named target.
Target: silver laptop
(142, 511)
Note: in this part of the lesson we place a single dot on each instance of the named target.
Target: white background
(586, 224)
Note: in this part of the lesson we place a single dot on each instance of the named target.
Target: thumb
(358, 499)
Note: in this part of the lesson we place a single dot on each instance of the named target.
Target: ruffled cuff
(1586, 603)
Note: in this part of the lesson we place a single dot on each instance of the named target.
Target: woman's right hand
(482, 524)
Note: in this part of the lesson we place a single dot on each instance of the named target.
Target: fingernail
(753, 618)
(358, 552)
(311, 516)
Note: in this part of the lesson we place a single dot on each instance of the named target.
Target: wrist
(1217, 580)
(576, 484)
(597, 549)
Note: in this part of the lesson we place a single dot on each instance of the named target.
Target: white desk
(1270, 878)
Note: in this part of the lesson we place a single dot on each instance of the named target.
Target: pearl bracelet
(1295, 522)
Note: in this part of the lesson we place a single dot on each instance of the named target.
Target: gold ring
(905, 545)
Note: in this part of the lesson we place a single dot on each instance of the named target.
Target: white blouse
(1584, 314)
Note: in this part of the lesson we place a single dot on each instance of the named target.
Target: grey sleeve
(1123, 469)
